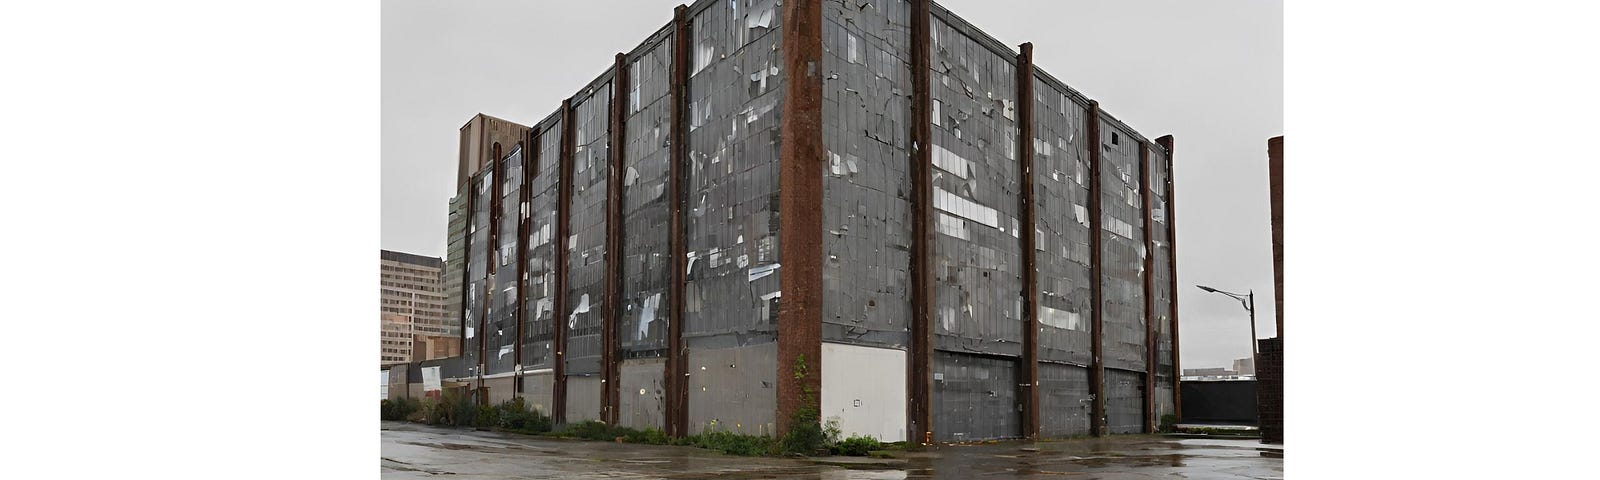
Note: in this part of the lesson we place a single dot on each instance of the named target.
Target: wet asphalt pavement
(419, 451)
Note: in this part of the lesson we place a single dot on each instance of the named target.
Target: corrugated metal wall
(647, 208)
(500, 334)
(1122, 249)
(1061, 205)
(974, 398)
(978, 282)
(479, 253)
(1124, 401)
(731, 293)
(586, 271)
(538, 349)
(1064, 400)
(867, 185)
(1161, 278)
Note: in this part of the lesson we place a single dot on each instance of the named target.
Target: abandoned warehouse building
(870, 208)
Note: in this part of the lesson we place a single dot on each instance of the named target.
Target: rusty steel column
(488, 296)
(1172, 249)
(610, 381)
(800, 162)
(1030, 273)
(677, 385)
(1275, 186)
(1097, 372)
(1149, 290)
(466, 273)
(530, 162)
(919, 389)
(558, 390)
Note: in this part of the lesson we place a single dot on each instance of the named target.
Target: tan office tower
(412, 304)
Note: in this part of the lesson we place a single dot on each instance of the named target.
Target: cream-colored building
(412, 304)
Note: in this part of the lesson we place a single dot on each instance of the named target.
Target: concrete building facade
(876, 212)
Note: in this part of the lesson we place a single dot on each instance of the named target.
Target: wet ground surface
(418, 451)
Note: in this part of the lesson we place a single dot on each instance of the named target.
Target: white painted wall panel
(864, 388)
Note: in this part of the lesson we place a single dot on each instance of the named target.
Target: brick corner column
(800, 214)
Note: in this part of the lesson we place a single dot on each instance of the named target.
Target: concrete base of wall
(733, 389)
(642, 401)
(583, 399)
(537, 389)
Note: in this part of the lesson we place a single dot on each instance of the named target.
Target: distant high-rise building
(1245, 366)
(412, 303)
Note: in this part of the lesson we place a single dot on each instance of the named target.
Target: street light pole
(1248, 300)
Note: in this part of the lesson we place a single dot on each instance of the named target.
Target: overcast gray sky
(1208, 72)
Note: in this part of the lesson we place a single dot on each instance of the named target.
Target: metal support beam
(1149, 292)
(801, 160)
(558, 390)
(1030, 274)
(677, 384)
(919, 390)
(1172, 249)
(611, 345)
(497, 167)
(1097, 372)
(530, 164)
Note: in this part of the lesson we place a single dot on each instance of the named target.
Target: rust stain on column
(800, 211)
(677, 401)
(919, 389)
(1149, 291)
(558, 390)
(1030, 275)
(1097, 384)
(610, 391)
(1172, 242)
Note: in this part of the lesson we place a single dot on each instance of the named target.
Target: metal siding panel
(731, 291)
(1123, 250)
(1064, 400)
(975, 398)
(1061, 195)
(540, 316)
(643, 395)
(866, 215)
(646, 264)
(977, 251)
(586, 248)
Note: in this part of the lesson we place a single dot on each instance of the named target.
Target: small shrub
(400, 408)
(1169, 423)
(514, 415)
(590, 430)
(736, 444)
(857, 446)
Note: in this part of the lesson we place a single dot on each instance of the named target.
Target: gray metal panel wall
(1064, 400)
(1161, 276)
(647, 208)
(1124, 401)
(1061, 196)
(586, 247)
(731, 293)
(539, 325)
(977, 257)
(500, 334)
(479, 253)
(1122, 249)
(867, 212)
(974, 398)
(642, 401)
